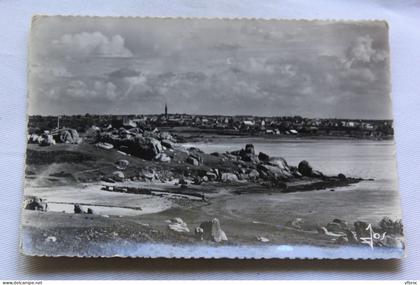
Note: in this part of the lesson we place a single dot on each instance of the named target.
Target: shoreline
(189, 133)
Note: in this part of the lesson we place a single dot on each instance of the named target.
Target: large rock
(272, 172)
(46, 140)
(36, 204)
(249, 157)
(149, 175)
(305, 168)
(122, 164)
(191, 160)
(118, 176)
(166, 136)
(253, 174)
(167, 143)
(69, 136)
(229, 177)
(33, 138)
(263, 157)
(247, 154)
(249, 148)
(211, 176)
(282, 164)
(78, 209)
(211, 230)
(163, 157)
(178, 225)
(147, 148)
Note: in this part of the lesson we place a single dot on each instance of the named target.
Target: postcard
(210, 138)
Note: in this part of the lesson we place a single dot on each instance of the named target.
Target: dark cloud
(315, 69)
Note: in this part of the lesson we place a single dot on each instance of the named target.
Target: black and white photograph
(210, 138)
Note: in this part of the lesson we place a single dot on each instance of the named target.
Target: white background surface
(404, 21)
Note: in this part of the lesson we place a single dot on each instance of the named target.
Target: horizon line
(212, 115)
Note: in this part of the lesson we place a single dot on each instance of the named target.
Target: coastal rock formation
(305, 168)
(122, 164)
(229, 177)
(272, 172)
(263, 157)
(148, 148)
(211, 230)
(78, 209)
(253, 174)
(46, 139)
(148, 175)
(247, 154)
(167, 144)
(163, 157)
(211, 176)
(178, 225)
(192, 160)
(36, 204)
(33, 138)
(69, 136)
(249, 148)
(118, 176)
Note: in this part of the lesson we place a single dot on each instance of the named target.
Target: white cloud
(259, 65)
(78, 89)
(288, 70)
(362, 51)
(49, 72)
(136, 82)
(85, 44)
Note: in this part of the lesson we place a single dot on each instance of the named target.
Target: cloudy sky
(235, 67)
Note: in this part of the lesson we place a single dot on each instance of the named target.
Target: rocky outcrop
(211, 176)
(69, 136)
(163, 157)
(247, 154)
(46, 139)
(178, 225)
(211, 230)
(118, 176)
(36, 204)
(122, 164)
(192, 160)
(168, 144)
(263, 157)
(148, 148)
(138, 145)
(229, 177)
(78, 209)
(305, 168)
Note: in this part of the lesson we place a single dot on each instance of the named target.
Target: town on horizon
(226, 124)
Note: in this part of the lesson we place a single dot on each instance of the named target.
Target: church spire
(166, 110)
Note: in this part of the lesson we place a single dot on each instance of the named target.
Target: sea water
(368, 201)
